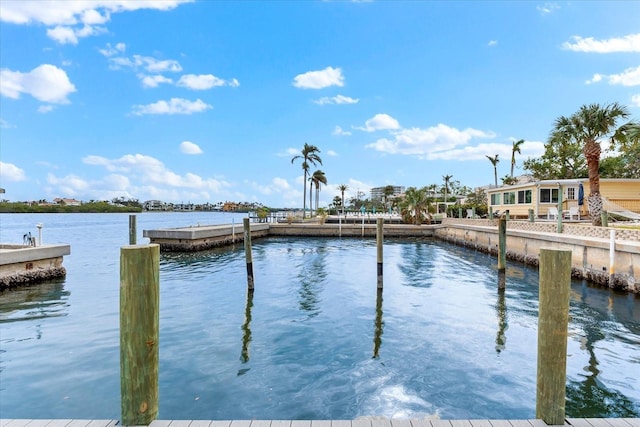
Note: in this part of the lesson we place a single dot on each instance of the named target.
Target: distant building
(184, 207)
(155, 205)
(377, 193)
(67, 202)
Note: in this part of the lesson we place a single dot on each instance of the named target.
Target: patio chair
(552, 213)
(574, 211)
(469, 213)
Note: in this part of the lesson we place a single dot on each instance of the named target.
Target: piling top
(147, 246)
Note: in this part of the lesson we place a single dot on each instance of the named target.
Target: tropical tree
(415, 206)
(308, 155)
(562, 159)
(343, 188)
(317, 179)
(515, 149)
(588, 126)
(494, 161)
(386, 192)
(447, 181)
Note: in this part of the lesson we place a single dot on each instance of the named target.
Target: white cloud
(380, 122)
(319, 79)
(11, 172)
(188, 147)
(289, 152)
(147, 63)
(635, 100)
(339, 99)
(426, 142)
(629, 77)
(630, 43)
(173, 106)
(46, 83)
(331, 153)
(113, 50)
(547, 8)
(153, 81)
(45, 109)
(204, 81)
(340, 132)
(72, 20)
(5, 124)
(480, 151)
(492, 43)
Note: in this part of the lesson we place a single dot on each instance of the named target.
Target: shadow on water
(379, 325)
(40, 301)
(417, 264)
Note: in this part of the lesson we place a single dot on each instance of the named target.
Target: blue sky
(207, 101)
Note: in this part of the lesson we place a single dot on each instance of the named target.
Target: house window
(509, 198)
(548, 195)
(495, 199)
(524, 196)
(571, 193)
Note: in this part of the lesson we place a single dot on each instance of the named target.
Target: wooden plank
(380, 422)
(400, 423)
(300, 423)
(361, 422)
(460, 423)
(84, 423)
(200, 423)
(500, 423)
(633, 422)
(160, 423)
(341, 423)
(578, 422)
(537, 422)
(180, 423)
(240, 423)
(480, 423)
(261, 423)
(320, 423)
(440, 423)
(422, 422)
(220, 423)
(6, 422)
(54, 423)
(280, 423)
(103, 423)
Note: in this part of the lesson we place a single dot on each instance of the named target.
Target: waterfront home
(542, 196)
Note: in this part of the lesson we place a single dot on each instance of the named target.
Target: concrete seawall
(591, 257)
(20, 265)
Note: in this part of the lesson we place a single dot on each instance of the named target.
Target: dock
(364, 422)
(22, 264)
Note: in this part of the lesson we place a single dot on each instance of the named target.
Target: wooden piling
(139, 332)
(490, 212)
(559, 227)
(502, 245)
(531, 218)
(247, 252)
(379, 241)
(132, 230)
(553, 319)
(459, 212)
(246, 328)
(604, 218)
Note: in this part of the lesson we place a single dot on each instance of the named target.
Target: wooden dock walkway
(373, 422)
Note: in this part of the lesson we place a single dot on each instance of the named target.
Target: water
(315, 341)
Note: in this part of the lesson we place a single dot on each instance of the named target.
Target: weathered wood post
(233, 230)
(553, 319)
(247, 252)
(473, 212)
(507, 215)
(339, 225)
(363, 225)
(531, 218)
(559, 228)
(604, 217)
(502, 245)
(460, 213)
(612, 255)
(379, 241)
(490, 212)
(139, 332)
(132, 230)
(246, 328)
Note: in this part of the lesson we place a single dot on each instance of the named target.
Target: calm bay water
(315, 341)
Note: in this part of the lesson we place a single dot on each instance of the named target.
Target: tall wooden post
(502, 245)
(247, 252)
(604, 217)
(473, 212)
(132, 229)
(490, 212)
(553, 319)
(379, 241)
(531, 218)
(559, 228)
(139, 332)
(459, 212)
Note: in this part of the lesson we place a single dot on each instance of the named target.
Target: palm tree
(343, 188)
(317, 179)
(447, 181)
(494, 161)
(387, 191)
(515, 149)
(588, 126)
(309, 155)
(415, 207)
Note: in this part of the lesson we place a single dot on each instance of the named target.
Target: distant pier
(23, 264)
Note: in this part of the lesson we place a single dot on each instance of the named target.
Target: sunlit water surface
(315, 341)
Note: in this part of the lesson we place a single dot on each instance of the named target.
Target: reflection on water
(503, 324)
(312, 275)
(246, 328)
(379, 324)
(40, 301)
